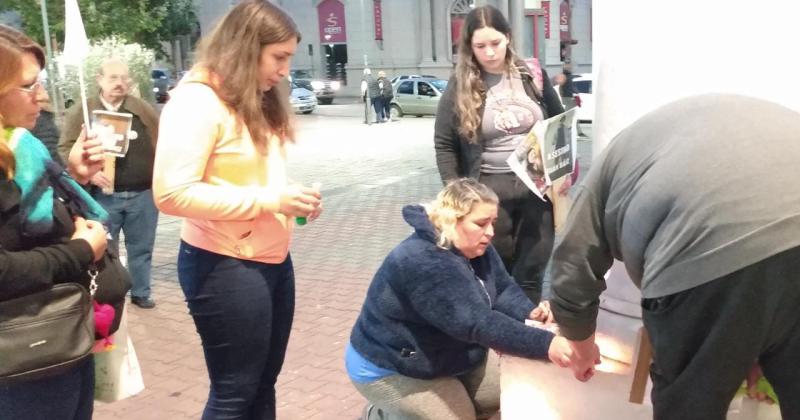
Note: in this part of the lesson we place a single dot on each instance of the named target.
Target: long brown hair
(23, 42)
(13, 45)
(231, 55)
(12, 63)
(471, 91)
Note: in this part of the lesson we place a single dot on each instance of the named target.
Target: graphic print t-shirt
(507, 118)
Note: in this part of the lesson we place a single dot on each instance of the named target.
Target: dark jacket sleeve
(446, 299)
(446, 140)
(579, 262)
(73, 121)
(47, 132)
(551, 101)
(24, 272)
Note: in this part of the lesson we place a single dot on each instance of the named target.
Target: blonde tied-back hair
(455, 201)
(471, 90)
(232, 53)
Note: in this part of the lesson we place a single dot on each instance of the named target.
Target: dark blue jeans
(68, 396)
(136, 215)
(243, 312)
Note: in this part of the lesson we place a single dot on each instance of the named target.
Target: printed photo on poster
(114, 129)
(547, 153)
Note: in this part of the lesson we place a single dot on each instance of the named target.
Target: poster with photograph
(547, 154)
(113, 128)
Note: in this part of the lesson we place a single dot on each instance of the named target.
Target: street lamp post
(367, 99)
(363, 34)
(51, 73)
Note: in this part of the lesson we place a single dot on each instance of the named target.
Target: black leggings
(523, 233)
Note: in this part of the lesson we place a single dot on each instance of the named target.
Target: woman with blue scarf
(41, 244)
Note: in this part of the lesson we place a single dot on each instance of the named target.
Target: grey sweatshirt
(692, 191)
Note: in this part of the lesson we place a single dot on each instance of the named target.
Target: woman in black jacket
(490, 105)
(40, 243)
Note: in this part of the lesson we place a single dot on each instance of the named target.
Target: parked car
(162, 83)
(583, 83)
(325, 90)
(302, 99)
(417, 96)
(396, 79)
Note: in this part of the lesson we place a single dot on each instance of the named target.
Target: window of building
(458, 12)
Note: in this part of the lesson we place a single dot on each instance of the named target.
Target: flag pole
(76, 48)
(83, 97)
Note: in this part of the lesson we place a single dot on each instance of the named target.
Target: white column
(425, 39)
(684, 47)
(516, 18)
(502, 5)
(441, 32)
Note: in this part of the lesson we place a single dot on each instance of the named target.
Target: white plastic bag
(117, 373)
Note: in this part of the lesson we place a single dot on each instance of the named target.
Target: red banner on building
(332, 29)
(563, 20)
(546, 8)
(376, 12)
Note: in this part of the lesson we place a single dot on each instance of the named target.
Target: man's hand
(542, 313)
(101, 180)
(753, 377)
(86, 157)
(585, 355)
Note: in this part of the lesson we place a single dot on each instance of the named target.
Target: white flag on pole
(76, 45)
(76, 48)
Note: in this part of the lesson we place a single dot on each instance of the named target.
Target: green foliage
(147, 22)
(139, 60)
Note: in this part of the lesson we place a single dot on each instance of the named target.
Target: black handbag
(113, 280)
(45, 333)
(113, 283)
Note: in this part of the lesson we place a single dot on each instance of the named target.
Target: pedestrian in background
(488, 108)
(46, 129)
(387, 93)
(41, 244)
(440, 301)
(130, 205)
(567, 89)
(371, 90)
(568, 93)
(221, 165)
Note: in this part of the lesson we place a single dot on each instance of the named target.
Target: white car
(583, 83)
(303, 100)
(397, 79)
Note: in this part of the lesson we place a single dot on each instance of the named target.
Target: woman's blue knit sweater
(427, 314)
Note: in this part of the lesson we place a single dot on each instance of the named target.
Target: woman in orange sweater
(220, 164)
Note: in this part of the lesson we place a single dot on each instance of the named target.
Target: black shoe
(143, 302)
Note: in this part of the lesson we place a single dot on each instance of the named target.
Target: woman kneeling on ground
(439, 301)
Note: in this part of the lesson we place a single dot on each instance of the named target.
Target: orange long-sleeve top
(212, 174)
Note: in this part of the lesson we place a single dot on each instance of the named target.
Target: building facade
(342, 37)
